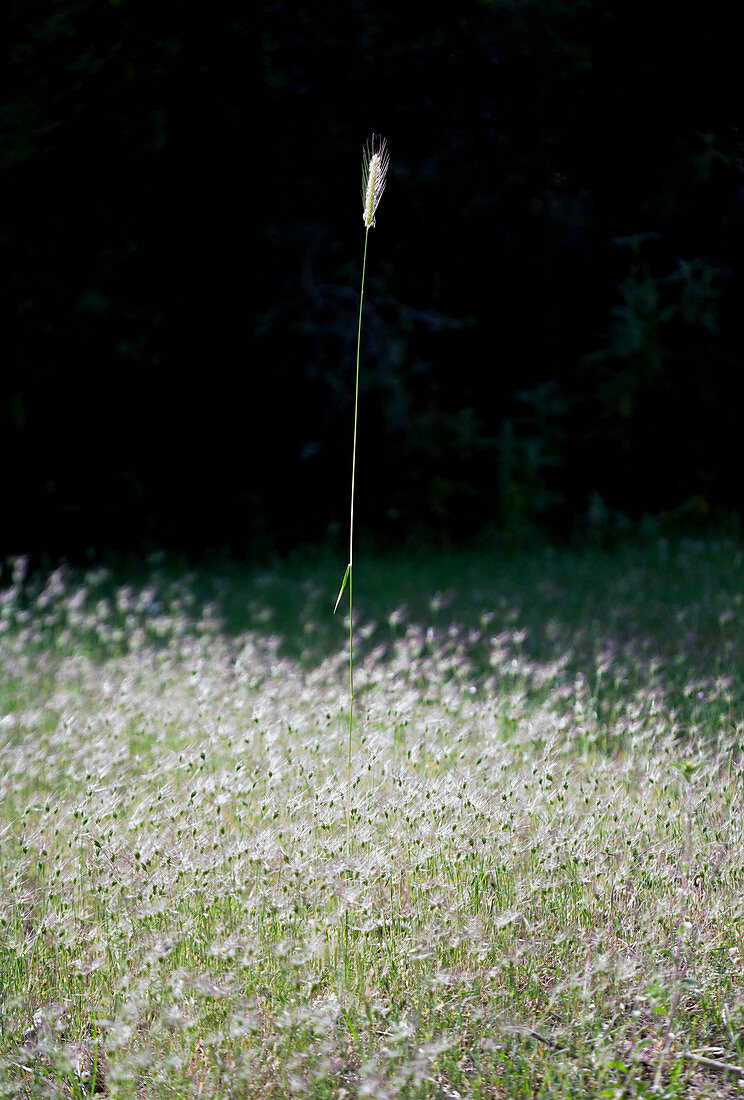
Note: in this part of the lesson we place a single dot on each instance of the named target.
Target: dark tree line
(553, 332)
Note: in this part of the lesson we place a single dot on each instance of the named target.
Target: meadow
(541, 892)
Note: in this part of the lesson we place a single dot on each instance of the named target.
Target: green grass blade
(342, 588)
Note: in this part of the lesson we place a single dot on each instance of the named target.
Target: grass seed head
(375, 163)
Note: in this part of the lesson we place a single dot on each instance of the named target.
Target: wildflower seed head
(375, 162)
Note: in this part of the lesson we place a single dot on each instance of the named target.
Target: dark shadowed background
(553, 332)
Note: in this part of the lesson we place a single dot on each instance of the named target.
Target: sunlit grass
(375, 164)
(543, 892)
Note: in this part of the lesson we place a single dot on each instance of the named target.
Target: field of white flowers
(542, 890)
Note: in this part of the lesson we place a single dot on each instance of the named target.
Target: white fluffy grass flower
(375, 161)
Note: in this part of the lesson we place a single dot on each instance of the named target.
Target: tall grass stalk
(375, 162)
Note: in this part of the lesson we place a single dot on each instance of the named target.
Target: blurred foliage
(553, 285)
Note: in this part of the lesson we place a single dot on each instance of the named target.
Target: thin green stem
(351, 707)
(351, 544)
(356, 404)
